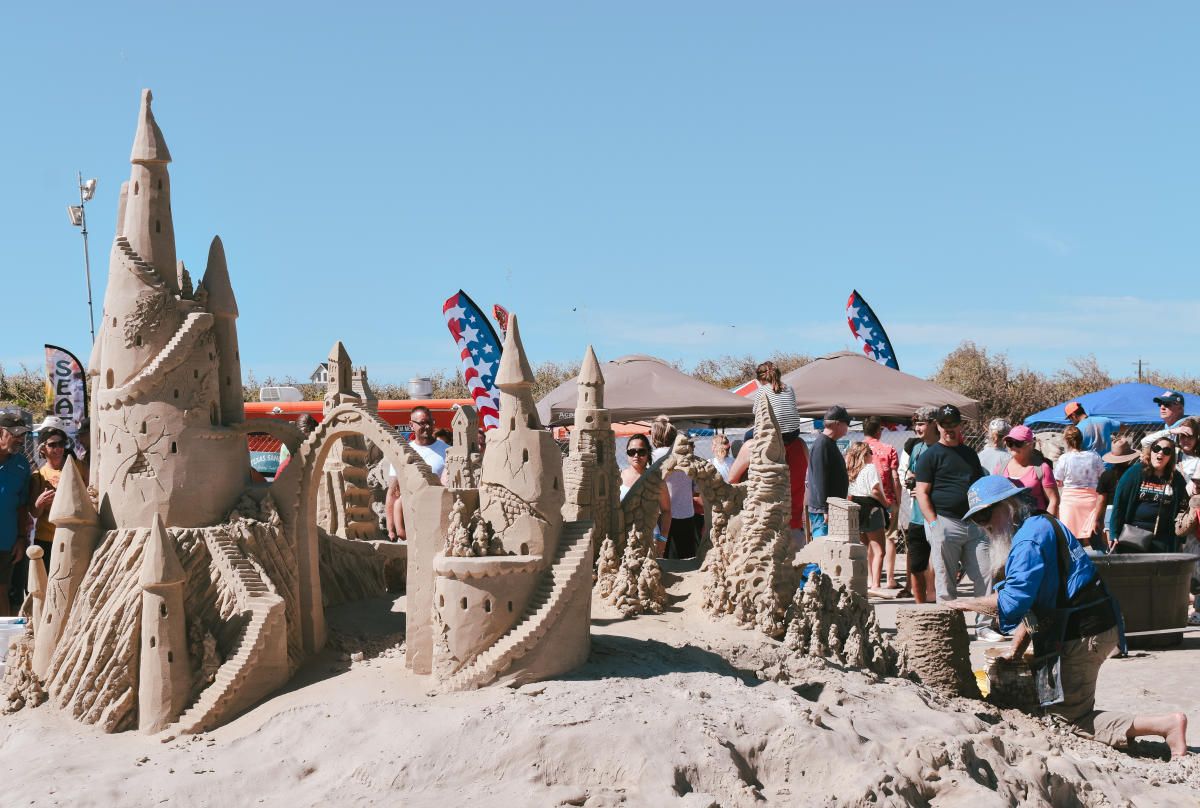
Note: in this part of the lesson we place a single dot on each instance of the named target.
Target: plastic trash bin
(1152, 589)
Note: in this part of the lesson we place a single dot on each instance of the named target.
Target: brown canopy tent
(637, 388)
(865, 387)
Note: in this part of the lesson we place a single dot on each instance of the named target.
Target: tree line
(1002, 389)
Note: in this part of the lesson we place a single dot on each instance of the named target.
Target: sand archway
(343, 421)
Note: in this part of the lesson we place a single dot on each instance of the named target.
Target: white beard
(999, 546)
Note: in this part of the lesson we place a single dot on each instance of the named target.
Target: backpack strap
(1064, 561)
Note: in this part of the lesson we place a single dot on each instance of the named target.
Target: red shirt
(886, 461)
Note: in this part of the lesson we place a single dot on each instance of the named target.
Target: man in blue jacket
(1025, 555)
(14, 503)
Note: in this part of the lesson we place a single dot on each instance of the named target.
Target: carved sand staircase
(570, 571)
(173, 354)
(139, 266)
(259, 663)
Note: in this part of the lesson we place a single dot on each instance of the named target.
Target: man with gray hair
(1043, 572)
(994, 453)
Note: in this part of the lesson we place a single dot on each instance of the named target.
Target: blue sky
(681, 179)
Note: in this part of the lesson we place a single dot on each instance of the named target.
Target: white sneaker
(1194, 619)
(989, 635)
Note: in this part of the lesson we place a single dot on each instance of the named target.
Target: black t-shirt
(826, 473)
(1107, 486)
(949, 470)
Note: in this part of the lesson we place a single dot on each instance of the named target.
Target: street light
(79, 219)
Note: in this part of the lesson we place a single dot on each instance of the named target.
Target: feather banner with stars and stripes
(867, 329)
(480, 351)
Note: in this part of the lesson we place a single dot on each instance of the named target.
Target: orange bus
(394, 412)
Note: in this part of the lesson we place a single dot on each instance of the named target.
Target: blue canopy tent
(1130, 403)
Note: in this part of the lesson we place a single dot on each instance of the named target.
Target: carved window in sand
(140, 467)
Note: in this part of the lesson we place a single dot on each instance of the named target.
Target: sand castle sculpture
(749, 572)
(840, 554)
(627, 572)
(189, 593)
(829, 620)
(513, 601)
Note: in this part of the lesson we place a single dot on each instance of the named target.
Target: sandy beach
(670, 709)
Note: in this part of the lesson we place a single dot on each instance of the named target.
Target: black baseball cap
(949, 415)
(13, 423)
(837, 413)
(1169, 397)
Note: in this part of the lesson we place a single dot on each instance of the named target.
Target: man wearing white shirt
(431, 450)
(1170, 407)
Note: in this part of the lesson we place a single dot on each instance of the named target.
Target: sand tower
(76, 530)
(165, 680)
(168, 373)
(592, 476)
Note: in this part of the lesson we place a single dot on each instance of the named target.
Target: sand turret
(76, 530)
(522, 492)
(221, 302)
(591, 384)
(462, 458)
(340, 386)
(164, 680)
(36, 583)
(593, 480)
(148, 224)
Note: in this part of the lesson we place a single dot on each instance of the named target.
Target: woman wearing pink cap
(1028, 469)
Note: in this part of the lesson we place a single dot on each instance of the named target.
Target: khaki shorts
(1081, 661)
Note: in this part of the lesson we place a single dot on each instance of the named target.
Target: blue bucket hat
(987, 491)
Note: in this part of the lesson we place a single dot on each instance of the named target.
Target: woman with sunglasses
(1149, 496)
(637, 449)
(1027, 469)
(54, 447)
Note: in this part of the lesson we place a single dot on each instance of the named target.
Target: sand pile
(924, 633)
(671, 709)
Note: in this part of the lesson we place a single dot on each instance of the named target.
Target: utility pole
(78, 215)
(1141, 364)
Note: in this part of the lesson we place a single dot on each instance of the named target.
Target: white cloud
(1057, 244)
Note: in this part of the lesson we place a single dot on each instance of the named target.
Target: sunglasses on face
(982, 517)
(1162, 449)
(637, 452)
(421, 423)
(1014, 444)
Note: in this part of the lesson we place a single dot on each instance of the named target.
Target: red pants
(797, 460)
